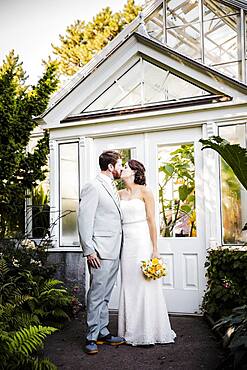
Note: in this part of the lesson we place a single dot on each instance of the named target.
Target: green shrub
(235, 337)
(30, 302)
(226, 281)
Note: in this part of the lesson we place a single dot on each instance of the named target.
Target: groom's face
(116, 172)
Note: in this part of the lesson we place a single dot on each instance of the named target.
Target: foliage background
(83, 40)
(20, 170)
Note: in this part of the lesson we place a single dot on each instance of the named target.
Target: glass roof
(143, 84)
(208, 31)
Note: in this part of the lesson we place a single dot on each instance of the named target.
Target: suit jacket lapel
(110, 192)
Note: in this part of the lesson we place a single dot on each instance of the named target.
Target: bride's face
(127, 172)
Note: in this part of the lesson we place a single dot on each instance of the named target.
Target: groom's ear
(110, 167)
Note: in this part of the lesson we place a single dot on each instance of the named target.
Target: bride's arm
(150, 211)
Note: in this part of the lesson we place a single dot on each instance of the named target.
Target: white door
(180, 222)
(131, 146)
(174, 168)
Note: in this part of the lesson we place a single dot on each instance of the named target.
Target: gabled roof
(137, 29)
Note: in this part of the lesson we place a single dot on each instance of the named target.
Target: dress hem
(150, 343)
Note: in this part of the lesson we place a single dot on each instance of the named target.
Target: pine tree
(20, 170)
(83, 40)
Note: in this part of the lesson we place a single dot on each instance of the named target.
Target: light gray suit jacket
(99, 220)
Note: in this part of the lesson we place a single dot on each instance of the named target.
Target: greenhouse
(174, 75)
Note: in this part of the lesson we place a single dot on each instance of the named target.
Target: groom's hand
(93, 260)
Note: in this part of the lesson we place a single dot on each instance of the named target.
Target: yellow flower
(153, 269)
(155, 261)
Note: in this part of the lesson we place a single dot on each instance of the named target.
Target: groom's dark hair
(108, 157)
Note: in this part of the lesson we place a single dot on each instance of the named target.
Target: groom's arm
(87, 210)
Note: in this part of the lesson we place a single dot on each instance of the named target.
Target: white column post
(54, 192)
(211, 190)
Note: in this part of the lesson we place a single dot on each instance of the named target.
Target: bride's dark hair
(139, 169)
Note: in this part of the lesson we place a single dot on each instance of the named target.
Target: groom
(100, 231)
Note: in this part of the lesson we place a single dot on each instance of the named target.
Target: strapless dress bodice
(133, 210)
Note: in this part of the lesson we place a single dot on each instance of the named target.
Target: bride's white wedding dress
(143, 317)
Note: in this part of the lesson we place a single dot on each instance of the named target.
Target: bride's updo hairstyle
(139, 169)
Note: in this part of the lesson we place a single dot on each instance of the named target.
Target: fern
(44, 364)
(25, 319)
(49, 292)
(7, 310)
(3, 267)
(29, 339)
(34, 363)
(59, 313)
(51, 283)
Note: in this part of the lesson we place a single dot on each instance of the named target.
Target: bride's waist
(134, 221)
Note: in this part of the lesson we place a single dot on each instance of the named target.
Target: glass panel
(161, 85)
(145, 83)
(133, 97)
(185, 40)
(220, 40)
(214, 9)
(233, 70)
(40, 209)
(177, 190)
(234, 196)
(154, 25)
(69, 193)
(222, 32)
(115, 96)
(180, 12)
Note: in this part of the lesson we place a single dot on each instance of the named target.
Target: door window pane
(126, 155)
(69, 194)
(177, 190)
(233, 194)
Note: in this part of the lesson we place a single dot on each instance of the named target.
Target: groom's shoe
(91, 347)
(110, 339)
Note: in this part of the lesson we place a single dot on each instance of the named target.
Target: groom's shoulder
(94, 183)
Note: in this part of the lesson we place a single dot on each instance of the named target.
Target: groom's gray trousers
(102, 281)
(100, 230)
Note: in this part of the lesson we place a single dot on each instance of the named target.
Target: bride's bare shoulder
(146, 192)
(145, 189)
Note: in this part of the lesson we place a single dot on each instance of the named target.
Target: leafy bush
(235, 338)
(227, 281)
(29, 301)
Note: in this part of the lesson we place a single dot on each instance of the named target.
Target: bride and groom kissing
(118, 228)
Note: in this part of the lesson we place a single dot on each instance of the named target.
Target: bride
(143, 317)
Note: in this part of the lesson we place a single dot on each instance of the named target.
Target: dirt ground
(196, 347)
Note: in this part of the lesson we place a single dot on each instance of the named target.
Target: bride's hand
(155, 255)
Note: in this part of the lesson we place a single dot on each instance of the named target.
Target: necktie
(115, 192)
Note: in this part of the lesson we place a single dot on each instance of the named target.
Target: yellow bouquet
(153, 269)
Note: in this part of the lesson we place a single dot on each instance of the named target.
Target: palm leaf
(234, 155)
